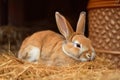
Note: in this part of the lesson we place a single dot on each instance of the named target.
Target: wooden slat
(103, 3)
(107, 51)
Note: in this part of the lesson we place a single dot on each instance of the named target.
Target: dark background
(39, 14)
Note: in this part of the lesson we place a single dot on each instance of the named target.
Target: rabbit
(53, 49)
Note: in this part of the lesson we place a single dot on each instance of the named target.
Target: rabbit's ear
(81, 23)
(63, 25)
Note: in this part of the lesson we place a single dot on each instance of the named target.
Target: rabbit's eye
(77, 45)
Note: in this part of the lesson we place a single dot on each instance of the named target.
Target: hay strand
(12, 68)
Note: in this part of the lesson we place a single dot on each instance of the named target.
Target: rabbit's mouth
(87, 56)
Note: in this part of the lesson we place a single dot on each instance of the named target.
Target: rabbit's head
(76, 45)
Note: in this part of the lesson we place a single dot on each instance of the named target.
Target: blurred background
(20, 18)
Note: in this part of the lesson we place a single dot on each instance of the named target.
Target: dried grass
(12, 68)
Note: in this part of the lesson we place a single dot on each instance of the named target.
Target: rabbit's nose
(88, 55)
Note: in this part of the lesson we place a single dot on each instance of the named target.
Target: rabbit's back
(43, 43)
(42, 38)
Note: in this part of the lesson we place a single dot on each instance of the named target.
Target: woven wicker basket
(104, 28)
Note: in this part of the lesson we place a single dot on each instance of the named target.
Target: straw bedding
(12, 68)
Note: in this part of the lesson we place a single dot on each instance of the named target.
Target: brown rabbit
(51, 48)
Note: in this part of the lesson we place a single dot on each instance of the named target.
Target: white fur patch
(83, 59)
(93, 54)
(33, 54)
(76, 42)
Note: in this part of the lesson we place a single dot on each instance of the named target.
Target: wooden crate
(104, 28)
